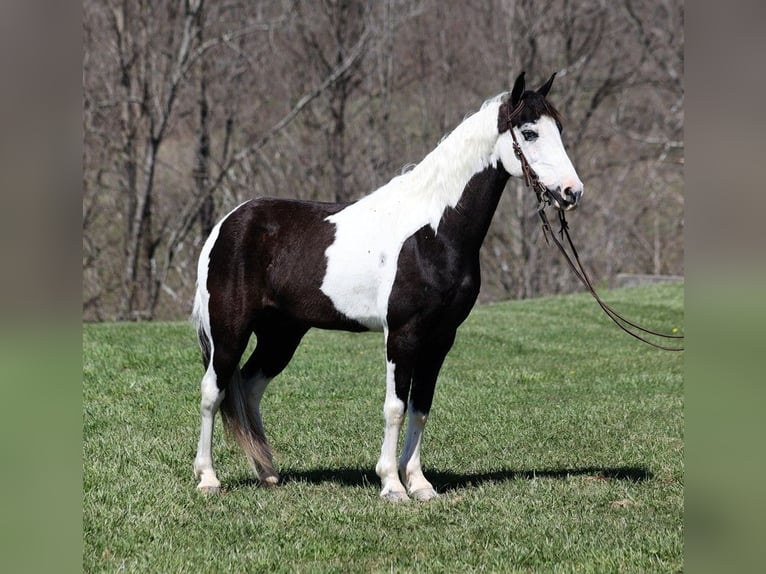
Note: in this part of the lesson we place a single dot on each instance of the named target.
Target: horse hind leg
(203, 462)
(221, 374)
(277, 342)
(242, 425)
(259, 454)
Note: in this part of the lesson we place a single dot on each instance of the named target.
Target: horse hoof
(208, 488)
(424, 494)
(395, 496)
(270, 480)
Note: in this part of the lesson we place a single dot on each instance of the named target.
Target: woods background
(191, 107)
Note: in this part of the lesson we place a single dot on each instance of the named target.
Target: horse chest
(378, 269)
(361, 266)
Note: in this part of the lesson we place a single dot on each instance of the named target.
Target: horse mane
(439, 178)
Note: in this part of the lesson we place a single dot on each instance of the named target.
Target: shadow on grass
(447, 481)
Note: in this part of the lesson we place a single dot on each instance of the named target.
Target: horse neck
(441, 179)
(471, 217)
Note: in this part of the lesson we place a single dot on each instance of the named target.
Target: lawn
(555, 441)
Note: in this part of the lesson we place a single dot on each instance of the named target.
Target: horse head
(536, 125)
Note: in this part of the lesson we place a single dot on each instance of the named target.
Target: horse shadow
(446, 481)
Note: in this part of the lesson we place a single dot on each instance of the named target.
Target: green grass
(555, 440)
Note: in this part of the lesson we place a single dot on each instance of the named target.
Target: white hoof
(424, 494)
(395, 496)
(208, 483)
(209, 488)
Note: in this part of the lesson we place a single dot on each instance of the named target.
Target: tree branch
(190, 210)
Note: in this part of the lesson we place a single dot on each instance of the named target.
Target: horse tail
(240, 422)
(205, 345)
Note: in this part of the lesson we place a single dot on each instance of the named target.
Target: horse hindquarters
(224, 315)
(233, 302)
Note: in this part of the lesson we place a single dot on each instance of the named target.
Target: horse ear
(518, 89)
(546, 87)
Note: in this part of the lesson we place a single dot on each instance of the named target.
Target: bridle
(544, 199)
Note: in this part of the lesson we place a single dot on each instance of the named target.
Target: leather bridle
(544, 199)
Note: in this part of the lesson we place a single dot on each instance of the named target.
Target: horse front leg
(429, 362)
(410, 468)
(398, 377)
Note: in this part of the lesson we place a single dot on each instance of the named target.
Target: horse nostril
(573, 196)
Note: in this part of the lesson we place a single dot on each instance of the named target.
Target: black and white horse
(403, 260)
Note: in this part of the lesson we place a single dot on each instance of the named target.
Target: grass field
(556, 442)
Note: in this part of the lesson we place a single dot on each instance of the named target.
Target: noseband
(544, 199)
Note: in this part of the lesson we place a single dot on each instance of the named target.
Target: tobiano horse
(403, 260)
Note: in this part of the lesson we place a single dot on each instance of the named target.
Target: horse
(402, 260)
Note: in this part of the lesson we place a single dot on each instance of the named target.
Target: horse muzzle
(566, 200)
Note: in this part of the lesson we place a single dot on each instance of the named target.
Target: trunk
(139, 238)
(202, 160)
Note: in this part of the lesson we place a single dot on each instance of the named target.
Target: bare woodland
(191, 107)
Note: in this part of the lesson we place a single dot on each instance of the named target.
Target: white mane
(496, 100)
(440, 178)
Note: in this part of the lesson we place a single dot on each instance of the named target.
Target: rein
(544, 200)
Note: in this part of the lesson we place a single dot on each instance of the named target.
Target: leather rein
(543, 194)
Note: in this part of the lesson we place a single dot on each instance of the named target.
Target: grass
(555, 440)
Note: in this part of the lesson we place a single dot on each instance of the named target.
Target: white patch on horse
(369, 234)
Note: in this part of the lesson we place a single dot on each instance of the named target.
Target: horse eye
(529, 135)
